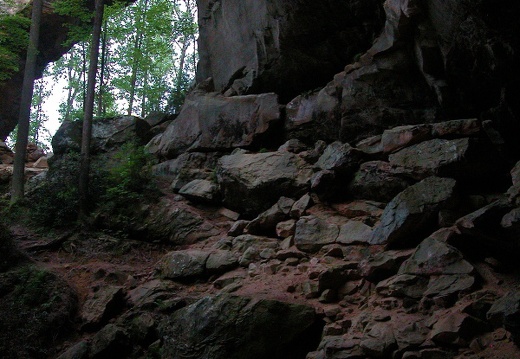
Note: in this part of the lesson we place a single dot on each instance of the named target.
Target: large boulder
(186, 168)
(251, 183)
(379, 181)
(234, 327)
(6, 155)
(108, 134)
(506, 312)
(312, 233)
(211, 122)
(259, 46)
(36, 307)
(413, 212)
(464, 159)
(433, 257)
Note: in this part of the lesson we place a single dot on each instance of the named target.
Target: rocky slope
(376, 217)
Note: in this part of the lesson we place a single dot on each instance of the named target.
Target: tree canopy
(147, 59)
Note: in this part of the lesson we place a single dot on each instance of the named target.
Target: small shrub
(130, 177)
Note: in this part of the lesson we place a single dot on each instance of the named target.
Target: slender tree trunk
(102, 68)
(70, 97)
(84, 72)
(38, 118)
(143, 97)
(89, 112)
(136, 56)
(135, 65)
(22, 138)
(180, 72)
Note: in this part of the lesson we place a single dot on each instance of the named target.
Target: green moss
(14, 37)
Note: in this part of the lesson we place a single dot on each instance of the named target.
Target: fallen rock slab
(252, 183)
(234, 327)
(413, 212)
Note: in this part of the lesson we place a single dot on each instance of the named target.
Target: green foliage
(130, 177)
(56, 201)
(114, 184)
(77, 9)
(14, 37)
(35, 310)
(31, 289)
(157, 38)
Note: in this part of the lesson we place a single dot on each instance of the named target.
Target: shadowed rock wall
(282, 46)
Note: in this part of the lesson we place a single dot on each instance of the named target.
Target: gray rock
(221, 261)
(186, 168)
(141, 327)
(253, 182)
(506, 312)
(403, 285)
(455, 328)
(312, 233)
(234, 327)
(413, 212)
(327, 185)
(334, 277)
(238, 228)
(433, 257)
(339, 347)
(354, 232)
(446, 286)
(285, 204)
(250, 255)
(310, 290)
(173, 224)
(111, 341)
(462, 127)
(286, 228)
(379, 340)
(432, 353)
(157, 118)
(260, 53)
(108, 134)
(382, 265)
(410, 335)
(201, 191)
(185, 264)
(243, 242)
(266, 221)
(77, 351)
(404, 136)
(149, 294)
(378, 181)
(101, 306)
(371, 146)
(293, 145)
(212, 122)
(340, 158)
(435, 157)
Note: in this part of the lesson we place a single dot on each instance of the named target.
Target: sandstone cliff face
(282, 46)
(431, 61)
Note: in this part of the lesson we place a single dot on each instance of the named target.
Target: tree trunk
(102, 67)
(143, 97)
(22, 138)
(89, 112)
(70, 96)
(135, 65)
(136, 56)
